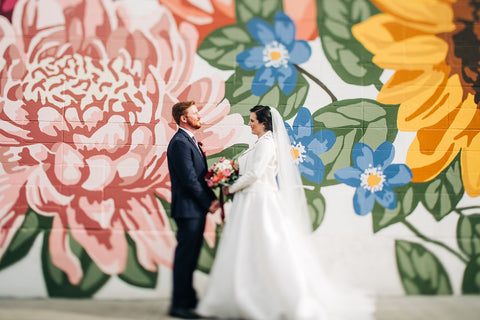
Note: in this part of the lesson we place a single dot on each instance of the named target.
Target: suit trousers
(189, 243)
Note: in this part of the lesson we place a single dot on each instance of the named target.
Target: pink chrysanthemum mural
(85, 96)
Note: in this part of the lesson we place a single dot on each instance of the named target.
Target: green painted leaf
(442, 194)
(407, 201)
(221, 47)
(247, 9)
(24, 238)
(134, 273)
(468, 234)
(471, 276)
(56, 280)
(352, 121)
(239, 94)
(316, 207)
(231, 152)
(166, 206)
(350, 60)
(420, 270)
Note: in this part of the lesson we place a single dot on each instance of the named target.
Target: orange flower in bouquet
(222, 174)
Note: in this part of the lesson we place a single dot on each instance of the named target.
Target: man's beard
(194, 125)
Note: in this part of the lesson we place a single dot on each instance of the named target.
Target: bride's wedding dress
(265, 267)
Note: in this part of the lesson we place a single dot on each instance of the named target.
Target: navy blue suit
(191, 199)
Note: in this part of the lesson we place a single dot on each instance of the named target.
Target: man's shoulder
(178, 138)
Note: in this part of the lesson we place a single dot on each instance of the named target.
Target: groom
(191, 200)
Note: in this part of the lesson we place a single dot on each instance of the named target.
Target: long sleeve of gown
(263, 153)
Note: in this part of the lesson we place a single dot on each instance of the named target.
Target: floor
(388, 308)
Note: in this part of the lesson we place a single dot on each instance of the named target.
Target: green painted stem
(320, 83)
(467, 208)
(438, 243)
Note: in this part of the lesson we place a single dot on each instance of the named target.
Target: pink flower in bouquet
(222, 173)
(85, 119)
(226, 173)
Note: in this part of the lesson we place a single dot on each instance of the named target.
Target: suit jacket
(191, 196)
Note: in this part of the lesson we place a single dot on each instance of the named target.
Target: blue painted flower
(374, 177)
(277, 55)
(306, 146)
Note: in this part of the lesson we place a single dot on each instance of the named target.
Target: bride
(265, 267)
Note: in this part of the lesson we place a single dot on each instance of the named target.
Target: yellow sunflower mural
(434, 48)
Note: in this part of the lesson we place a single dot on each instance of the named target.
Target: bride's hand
(226, 191)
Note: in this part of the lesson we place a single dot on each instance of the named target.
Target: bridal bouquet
(222, 174)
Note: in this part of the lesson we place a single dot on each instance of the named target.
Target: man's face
(193, 118)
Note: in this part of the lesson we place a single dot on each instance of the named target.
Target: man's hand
(214, 206)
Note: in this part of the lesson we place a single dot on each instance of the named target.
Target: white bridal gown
(263, 268)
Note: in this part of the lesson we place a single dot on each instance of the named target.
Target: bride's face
(258, 128)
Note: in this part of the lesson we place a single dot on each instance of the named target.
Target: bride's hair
(263, 115)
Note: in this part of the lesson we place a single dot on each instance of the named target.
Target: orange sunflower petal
(470, 159)
(435, 147)
(420, 52)
(432, 16)
(470, 167)
(407, 84)
(374, 33)
(426, 162)
(430, 107)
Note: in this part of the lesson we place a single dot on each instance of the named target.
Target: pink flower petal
(176, 50)
(68, 164)
(61, 253)
(106, 247)
(12, 215)
(13, 206)
(101, 173)
(42, 196)
(86, 20)
(110, 137)
(164, 192)
(129, 169)
(210, 233)
(207, 92)
(31, 17)
(222, 133)
(99, 212)
(148, 225)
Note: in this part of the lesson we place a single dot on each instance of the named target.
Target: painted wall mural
(380, 98)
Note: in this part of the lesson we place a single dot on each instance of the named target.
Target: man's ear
(183, 119)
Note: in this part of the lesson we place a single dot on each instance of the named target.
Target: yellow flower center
(298, 152)
(275, 55)
(372, 179)
(295, 153)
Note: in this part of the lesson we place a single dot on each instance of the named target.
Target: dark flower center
(464, 55)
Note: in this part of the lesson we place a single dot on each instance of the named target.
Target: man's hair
(263, 115)
(180, 108)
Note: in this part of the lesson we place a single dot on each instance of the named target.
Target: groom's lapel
(194, 144)
(186, 136)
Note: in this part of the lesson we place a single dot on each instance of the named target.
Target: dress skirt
(264, 269)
